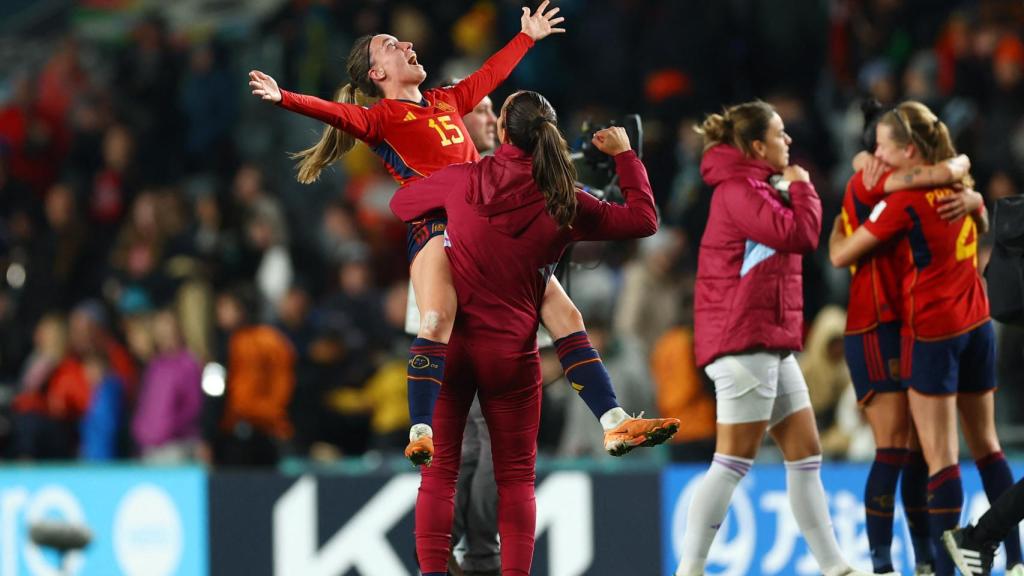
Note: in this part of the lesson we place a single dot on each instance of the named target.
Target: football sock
(586, 373)
(425, 375)
(880, 503)
(914, 493)
(945, 500)
(810, 508)
(708, 508)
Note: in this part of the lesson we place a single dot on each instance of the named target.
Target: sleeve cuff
(529, 41)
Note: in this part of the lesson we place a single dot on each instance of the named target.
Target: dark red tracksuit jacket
(502, 247)
(501, 243)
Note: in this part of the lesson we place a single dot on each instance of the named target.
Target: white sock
(707, 511)
(613, 418)
(810, 508)
(418, 431)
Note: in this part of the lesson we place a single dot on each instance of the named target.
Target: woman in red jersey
(510, 217)
(948, 350)
(417, 133)
(872, 346)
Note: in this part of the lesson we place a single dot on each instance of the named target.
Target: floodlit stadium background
(137, 175)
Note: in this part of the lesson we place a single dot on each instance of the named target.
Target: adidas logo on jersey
(409, 116)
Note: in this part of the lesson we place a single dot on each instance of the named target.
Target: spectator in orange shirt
(680, 392)
(260, 379)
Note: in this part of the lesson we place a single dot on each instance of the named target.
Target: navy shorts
(874, 361)
(420, 232)
(963, 364)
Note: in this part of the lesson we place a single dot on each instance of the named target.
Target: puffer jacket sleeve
(761, 217)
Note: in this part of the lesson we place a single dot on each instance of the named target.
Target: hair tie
(538, 122)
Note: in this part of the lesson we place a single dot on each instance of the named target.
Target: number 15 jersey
(416, 139)
(942, 293)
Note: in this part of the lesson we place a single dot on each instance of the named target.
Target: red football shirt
(416, 139)
(875, 283)
(942, 293)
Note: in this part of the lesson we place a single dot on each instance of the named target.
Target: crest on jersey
(444, 106)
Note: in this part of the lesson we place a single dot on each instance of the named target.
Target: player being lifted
(511, 215)
(416, 133)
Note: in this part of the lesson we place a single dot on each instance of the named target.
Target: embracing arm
(474, 87)
(981, 219)
(845, 250)
(926, 176)
(888, 219)
(417, 199)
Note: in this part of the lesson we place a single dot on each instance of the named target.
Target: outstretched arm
(536, 26)
(354, 119)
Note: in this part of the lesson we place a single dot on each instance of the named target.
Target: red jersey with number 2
(942, 294)
(876, 279)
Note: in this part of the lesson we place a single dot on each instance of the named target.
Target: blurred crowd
(169, 292)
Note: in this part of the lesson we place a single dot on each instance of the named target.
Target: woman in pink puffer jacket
(749, 321)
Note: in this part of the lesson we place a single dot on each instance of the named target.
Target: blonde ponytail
(332, 146)
(335, 143)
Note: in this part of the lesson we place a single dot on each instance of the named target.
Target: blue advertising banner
(760, 535)
(144, 521)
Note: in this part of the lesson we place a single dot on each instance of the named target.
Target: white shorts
(758, 387)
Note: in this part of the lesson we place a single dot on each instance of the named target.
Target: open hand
(540, 24)
(264, 86)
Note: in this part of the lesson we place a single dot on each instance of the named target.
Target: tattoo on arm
(909, 177)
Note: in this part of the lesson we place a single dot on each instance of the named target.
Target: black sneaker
(970, 555)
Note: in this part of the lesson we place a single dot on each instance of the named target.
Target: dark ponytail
(532, 125)
(334, 143)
